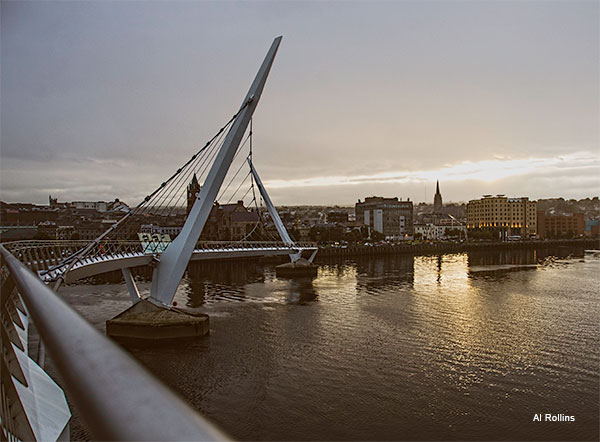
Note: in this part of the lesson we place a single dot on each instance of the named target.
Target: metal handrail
(117, 398)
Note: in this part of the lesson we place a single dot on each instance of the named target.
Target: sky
(104, 100)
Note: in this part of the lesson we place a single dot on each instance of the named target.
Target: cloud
(572, 175)
(106, 99)
(486, 171)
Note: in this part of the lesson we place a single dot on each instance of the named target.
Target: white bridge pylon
(174, 260)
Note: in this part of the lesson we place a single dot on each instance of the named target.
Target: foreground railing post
(32, 406)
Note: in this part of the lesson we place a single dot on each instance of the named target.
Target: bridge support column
(283, 233)
(298, 265)
(131, 287)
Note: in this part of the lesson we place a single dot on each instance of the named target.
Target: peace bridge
(116, 397)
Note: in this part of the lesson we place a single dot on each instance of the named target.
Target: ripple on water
(457, 347)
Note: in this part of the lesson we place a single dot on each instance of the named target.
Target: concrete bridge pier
(150, 321)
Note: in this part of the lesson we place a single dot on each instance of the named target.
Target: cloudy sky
(106, 99)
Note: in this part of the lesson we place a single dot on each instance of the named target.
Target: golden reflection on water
(447, 274)
(453, 306)
(481, 331)
(395, 345)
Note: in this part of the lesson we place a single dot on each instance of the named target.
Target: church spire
(437, 199)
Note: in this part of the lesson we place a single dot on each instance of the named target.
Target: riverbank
(451, 247)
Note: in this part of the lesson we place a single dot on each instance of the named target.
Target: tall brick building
(560, 226)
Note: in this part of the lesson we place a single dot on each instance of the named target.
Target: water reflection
(210, 282)
(497, 264)
(378, 273)
(442, 274)
(522, 257)
(196, 290)
(301, 291)
(390, 347)
(219, 280)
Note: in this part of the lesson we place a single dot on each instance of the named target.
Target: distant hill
(589, 206)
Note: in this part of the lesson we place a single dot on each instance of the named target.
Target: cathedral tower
(437, 199)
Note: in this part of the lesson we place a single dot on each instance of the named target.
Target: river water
(466, 346)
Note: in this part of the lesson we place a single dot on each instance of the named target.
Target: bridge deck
(48, 257)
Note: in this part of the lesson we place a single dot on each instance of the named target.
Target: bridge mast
(174, 260)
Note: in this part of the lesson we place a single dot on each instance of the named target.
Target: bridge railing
(227, 245)
(117, 398)
(44, 256)
(40, 255)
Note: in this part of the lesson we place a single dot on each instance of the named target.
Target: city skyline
(364, 99)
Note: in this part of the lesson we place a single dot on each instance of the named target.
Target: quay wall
(450, 247)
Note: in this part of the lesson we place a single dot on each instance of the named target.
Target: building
(47, 230)
(192, 192)
(17, 233)
(98, 206)
(25, 214)
(118, 206)
(172, 231)
(434, 232)
(389, 216)
(89, 230)
(560, 226)
(437, 200)
(230, 222)
(592, 227)
(336, 216)
(501, 217)
(90, 207)
(92, 229)
(65, 232)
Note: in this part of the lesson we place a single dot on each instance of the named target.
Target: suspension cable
(75, 257)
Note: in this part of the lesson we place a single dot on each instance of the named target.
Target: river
(466, 346)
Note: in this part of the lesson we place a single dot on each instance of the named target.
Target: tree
(294, 234)
(353, 236)
(377, 236)
(486, 234)
(326, 233)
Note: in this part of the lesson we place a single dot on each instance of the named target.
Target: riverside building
(560, 226)
(389, 216)
(503, 216)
